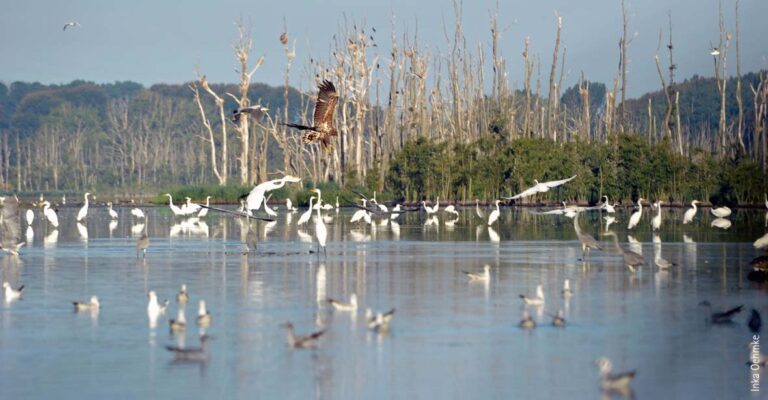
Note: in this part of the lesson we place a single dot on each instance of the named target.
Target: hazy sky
(156, 41)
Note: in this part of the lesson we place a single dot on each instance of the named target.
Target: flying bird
(322, 128)
(540, 187)
(73, 24)
(256, 112)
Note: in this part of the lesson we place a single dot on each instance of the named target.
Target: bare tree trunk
(739, 100)
(552, 95)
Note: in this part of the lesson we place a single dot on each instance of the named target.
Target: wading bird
(587, 241)
(137, 212)
(320, 230)
(50, 214)
(635, 218)
(631, 259)
(304, 218)
(479, 211)
(494, 214)
(256, 196)
(142, 244)
(112, 213)
(540, 187)
(175, 209)
(204, 210)
(690, 213)
(322, 129)
(83, 213)
(608, 207)
(433, 209)
(656, 220)
(301, 342)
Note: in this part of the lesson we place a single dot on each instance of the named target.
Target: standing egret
(433, 209)
(84, 210)
(721, 212)
(587, 241)
(204, 210)
(30, 216)
(268, 210)
(451, 209)
(656, 220)
(50, 214)
(540, 187)
(176, 210)
(137, 212)
(112, 213)
(608, 207)
(256, 196)
(337, 203)
(690, 213)
(382, 207)
(480, 213)
(320, 230)
(289, 205)
(362, 214)
(307, 214)
(635, 218)
(494, 214)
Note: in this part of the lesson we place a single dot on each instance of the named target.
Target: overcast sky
(157, 41)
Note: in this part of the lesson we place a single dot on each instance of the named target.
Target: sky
(161, 41)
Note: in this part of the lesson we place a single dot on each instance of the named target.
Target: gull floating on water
(534, 301)
(567, 293)
(92, 305)
(182, 297)
(12, 294)
(527, 322)
(341, 306)
(558, 320)
(191, 353)
(203, 316)
(480, 276)
(180, 323)
(301, 342)
(613, 382)
(379, 322)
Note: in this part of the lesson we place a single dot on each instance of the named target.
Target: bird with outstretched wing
(322, 128)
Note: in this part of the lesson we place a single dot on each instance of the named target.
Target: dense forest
(414, 124)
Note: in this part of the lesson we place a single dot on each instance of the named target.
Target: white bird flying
(540, 187)
(73, 24)
(256, 196)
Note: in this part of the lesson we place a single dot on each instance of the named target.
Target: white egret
(137, 212)
(256, 196)
(540, 187)
(301, 342)
(382, 207)
(204, 210)
(395, 212)
(337, 202)
(50, 214)
(30, 215)
(307, 214)
(635, 218)
(451, 209)
(320, 230)
(690, 213)
(721, 212)
(268, 210)
(112, 213)
(480, 213)
(494, 214)
(175, 209)
(289, 205)
(84, 210)
(433, 209)
(362, 214)
(608, 207)
(656, 220)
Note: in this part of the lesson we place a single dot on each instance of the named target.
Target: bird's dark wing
(316, 335)
(10, 223)
(730, 313)
(236, 213)
(327, 97)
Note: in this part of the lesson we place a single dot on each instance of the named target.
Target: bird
(307, 214)
(30, 216)
(182, 297)
(558, 320)
(267, 209)
(690, 213)
(301, 342)
(179, 324)
(379, 322)
(112, 213)
(635, 218)
(721, 212)
(204, 210)
(322, 129)
(154, 308)
(613, 382)
(91, 305)
(341, 306)
(534, 301)
(256, 196)
(527, 322)
(657, 259)
(608, 207)
(363, 214)
(204, 317)
(721, 223)
(193, 354)
(382, 207)
(479, 211)
(83, 213)
(761, 242)
(321, 232)
(433, 209)
(189, 207)
(567, 293)
(588, 242)
(608, 221)
(137, 212)
(142, 244)
(175, 209)
(631, 259)
(714, 51)
(540, 187)
(480, 276)
(12, 294)
(494, 215)
(289, 205)
(755, 322)
(656, 220)
(50, 214)
(721, 317)
(73, 24)
(255, 111)
(451, 209)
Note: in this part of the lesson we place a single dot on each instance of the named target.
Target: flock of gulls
(371, 211)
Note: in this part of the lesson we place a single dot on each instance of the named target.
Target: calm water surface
(450, 338)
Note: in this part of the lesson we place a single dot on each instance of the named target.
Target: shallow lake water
(450, 338)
